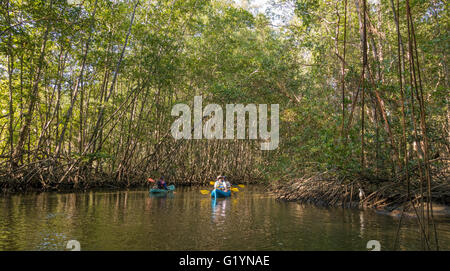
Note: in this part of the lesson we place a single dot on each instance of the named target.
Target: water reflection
(159, 200)
(188, 220)
(219, 208)
(361, 224)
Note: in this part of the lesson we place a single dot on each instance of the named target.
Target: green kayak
(170, 188)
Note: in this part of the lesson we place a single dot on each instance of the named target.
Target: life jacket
(220, 185)
(161, 184)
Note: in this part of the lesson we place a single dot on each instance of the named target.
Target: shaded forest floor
(45, 176)
(95, 181)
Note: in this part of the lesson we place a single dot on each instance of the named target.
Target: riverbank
(334, 189)
(12, 186)
(26, 182)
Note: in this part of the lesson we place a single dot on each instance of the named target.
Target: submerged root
(332, 189)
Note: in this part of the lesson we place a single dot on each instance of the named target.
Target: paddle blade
(211, 183)
(204, 192)
(234, 189)
(150, 180)
(241, 185)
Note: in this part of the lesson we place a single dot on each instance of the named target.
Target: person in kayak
(221, 184)
(161, 183)
(227, 183)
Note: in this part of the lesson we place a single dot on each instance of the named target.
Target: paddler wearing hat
(221, 184)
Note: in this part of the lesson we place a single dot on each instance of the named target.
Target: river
(187, 220)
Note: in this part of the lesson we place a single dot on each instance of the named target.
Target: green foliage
(179, 49)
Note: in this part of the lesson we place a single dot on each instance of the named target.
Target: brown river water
(187, 220)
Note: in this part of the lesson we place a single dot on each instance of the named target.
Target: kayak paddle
(240, 185)
(204, 192)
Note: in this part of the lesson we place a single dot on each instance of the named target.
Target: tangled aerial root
(332, 189)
